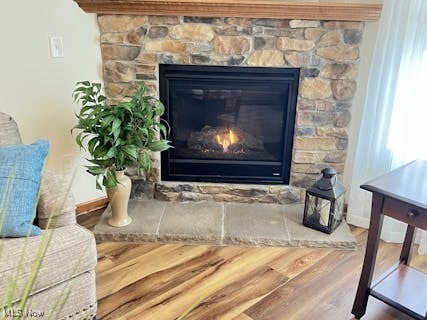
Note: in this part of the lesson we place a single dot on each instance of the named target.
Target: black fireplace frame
(262, 172)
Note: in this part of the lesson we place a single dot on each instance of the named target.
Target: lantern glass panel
(339, 210)
(324, 208)
(318, 210)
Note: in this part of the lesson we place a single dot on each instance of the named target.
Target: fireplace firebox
(229, 124)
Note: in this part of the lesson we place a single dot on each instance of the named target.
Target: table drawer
(405, 212)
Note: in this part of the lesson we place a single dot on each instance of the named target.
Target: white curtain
(393, 130)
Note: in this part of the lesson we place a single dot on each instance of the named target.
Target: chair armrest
(55, 200)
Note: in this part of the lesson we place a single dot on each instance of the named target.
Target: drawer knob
(413, 213)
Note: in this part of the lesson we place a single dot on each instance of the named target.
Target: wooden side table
(402, 195)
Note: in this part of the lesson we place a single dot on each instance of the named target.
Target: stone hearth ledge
(217, 223)
(224, 192)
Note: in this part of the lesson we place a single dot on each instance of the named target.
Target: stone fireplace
(326, 54)
(317, 42)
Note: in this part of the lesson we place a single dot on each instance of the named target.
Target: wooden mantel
(238, 8)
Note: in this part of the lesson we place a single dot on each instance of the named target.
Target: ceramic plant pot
(119, 199)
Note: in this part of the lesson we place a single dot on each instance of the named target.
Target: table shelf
(404, 288)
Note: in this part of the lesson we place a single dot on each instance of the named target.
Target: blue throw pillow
(20, 175)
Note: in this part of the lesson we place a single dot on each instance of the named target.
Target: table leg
(361, 300)
(405, 255)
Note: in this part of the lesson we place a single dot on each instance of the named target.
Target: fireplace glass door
(231, 124)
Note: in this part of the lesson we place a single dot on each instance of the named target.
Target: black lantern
(324, 203)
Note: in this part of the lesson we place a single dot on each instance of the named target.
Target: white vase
(119, 199)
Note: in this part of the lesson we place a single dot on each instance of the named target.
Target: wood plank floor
(166, 282)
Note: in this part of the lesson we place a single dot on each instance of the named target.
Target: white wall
(35, 88)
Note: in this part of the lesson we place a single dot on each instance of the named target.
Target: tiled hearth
(218, 223)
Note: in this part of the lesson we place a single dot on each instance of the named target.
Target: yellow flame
(227, 139)
(232, 137)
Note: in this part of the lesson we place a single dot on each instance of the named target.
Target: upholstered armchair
(64, 286)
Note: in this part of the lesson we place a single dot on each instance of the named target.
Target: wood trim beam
(92, 205)
(238, 8)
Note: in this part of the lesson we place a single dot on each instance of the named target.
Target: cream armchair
(65, 283)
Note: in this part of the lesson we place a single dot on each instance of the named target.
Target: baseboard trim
(91, 205)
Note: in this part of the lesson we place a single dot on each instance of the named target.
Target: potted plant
(117, 136)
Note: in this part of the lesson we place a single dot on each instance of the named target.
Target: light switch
(56, 47)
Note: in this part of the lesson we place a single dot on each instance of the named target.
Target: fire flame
(226, 139)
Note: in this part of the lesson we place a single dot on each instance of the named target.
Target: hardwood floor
(163, 282)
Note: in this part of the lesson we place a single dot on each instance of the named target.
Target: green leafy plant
(118, 135)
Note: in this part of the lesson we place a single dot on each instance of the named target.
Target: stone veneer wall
(326, 51)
